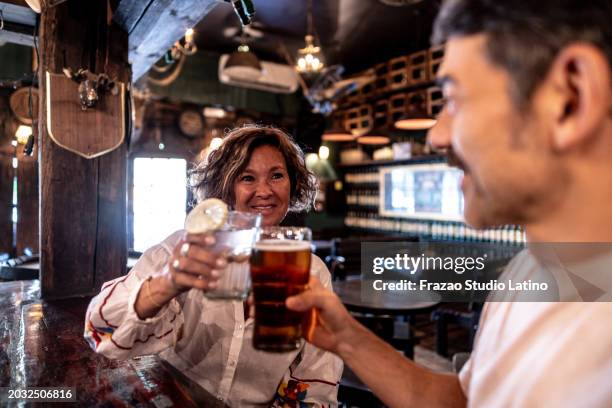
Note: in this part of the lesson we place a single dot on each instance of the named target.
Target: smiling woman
(160, 306)
(257, 169)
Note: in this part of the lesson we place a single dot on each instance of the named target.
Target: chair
(446, 315)
(352, 392)
(459, 360)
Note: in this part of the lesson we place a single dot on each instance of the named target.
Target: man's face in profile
(510, 171)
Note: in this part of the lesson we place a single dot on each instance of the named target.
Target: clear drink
(236, 240)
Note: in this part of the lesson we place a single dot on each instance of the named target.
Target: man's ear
(580, 76)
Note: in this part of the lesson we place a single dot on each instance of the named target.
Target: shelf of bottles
(363, 199)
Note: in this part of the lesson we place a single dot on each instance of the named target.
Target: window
(14, 203)
(160, 199)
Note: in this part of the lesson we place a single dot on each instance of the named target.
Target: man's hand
(397, 381)
(333, 326)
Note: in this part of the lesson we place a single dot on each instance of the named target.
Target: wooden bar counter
(42, 345)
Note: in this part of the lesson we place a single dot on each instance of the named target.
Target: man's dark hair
(525, 36)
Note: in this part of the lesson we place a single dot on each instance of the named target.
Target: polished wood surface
(42, 345)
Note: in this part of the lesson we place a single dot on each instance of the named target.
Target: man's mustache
(453, 160)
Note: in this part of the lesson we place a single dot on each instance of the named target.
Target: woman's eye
(247, 178)
(278, 175)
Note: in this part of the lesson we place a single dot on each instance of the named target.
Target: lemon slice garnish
(209, 215)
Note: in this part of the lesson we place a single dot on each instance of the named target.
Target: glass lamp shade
(337, 136)
(373, 140)
(415, 123)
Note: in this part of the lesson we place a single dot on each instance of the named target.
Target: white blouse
(210, 341)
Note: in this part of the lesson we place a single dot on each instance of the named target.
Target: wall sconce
(189, 48)
(23, 133)
(174, 58)
(24, 136)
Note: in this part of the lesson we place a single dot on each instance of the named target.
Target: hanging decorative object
(310, 58)
(174, 60)
(91, 121)
(24, 104)
(90, 86)
(191, 123)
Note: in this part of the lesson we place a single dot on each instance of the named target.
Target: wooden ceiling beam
(18, 22)
(155, 25)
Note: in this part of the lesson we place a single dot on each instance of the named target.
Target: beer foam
(282, 245)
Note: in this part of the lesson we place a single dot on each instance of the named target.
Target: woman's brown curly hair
(216, 175)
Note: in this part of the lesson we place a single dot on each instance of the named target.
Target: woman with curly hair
(160, 307)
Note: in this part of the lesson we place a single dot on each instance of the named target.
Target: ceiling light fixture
(337, 134)
(337, 137)
(416, 123)
(416, 116)
(310, 58)
(243, 63)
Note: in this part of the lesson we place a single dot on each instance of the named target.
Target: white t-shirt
(541, 354)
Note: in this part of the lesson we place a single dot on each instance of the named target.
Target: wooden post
(83, 201)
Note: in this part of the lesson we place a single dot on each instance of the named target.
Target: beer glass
(235, 239)
(280, 267)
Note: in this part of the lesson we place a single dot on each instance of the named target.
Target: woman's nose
(263, 189)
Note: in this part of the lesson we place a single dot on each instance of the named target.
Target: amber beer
(279, 268)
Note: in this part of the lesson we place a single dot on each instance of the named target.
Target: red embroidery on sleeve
(140, 341)
(145, 340)
(311, 380)
(106, 299)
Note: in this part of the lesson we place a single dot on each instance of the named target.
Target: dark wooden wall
(6, 176)
(27, 188)
(83, 202)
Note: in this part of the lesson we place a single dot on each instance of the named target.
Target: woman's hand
(193, 264)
